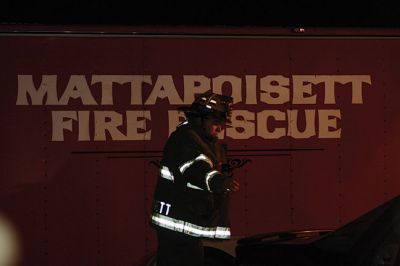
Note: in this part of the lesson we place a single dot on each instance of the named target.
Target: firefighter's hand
(221, 184)
(231, 184)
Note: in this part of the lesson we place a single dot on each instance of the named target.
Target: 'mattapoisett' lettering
(271, 89)
(305, 94)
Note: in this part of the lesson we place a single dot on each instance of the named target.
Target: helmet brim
(188, 110)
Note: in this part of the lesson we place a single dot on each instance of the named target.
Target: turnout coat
(185, 199)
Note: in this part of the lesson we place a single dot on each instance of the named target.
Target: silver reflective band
(189, 228)
(208, 178)
(166, 173)
(193, 186)
(183, 123)
(201, 157)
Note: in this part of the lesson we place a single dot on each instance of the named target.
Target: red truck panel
(78, 188)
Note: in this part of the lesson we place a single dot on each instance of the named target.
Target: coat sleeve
(198, 169)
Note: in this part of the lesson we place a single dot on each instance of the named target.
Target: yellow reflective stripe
(210, 175)
(166, 173)
(189, 228)
(201, 157)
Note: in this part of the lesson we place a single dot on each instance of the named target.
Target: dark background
(196, 13)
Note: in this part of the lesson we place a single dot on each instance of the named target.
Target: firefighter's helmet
(210, 104)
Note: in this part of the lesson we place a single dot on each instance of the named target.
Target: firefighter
(192, 192)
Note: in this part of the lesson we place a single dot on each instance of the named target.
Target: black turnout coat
(185, 199)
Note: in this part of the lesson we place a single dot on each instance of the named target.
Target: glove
(221, 184)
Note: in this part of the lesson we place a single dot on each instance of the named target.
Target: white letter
(356, 83)
(275, 93)
(327, 120)
(114, 120)
(106, 87)
(242, 125)
(48, 87)
(262, 124)
(329, 88)
(293, 120)
(302, 86)
(162, 206)
(59, 124)
(235, 84)
(168, 206)
(164, 88)
(251, 89)
(136, 125)
(83, 119)
(137, 87)
(78, 88)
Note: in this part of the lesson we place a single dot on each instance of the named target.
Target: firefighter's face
(213, 127)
